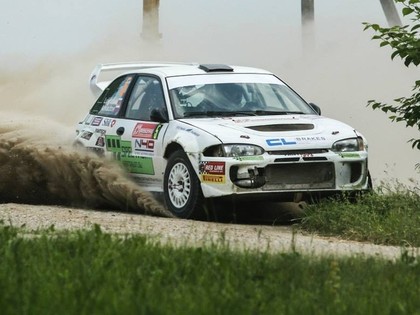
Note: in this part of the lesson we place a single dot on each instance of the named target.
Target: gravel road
(272, 238)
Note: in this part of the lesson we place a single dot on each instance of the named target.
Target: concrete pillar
(151, 20)
(308, 30)
(391, 12)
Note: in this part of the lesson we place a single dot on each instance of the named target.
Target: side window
(110, 101)
(147, 95)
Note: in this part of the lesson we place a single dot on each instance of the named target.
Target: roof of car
(177, 68)
(164, 69)
(194, 69)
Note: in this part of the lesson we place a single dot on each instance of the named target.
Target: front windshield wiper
(212, 113)
(245, 113)
(192, 114)
(271, 112)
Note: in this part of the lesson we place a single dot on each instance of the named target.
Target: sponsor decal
(143, 146)
(102, 132)
(88, 120)
(299, 154)
(190, 130)
(157, 131)
(349, 155)
(96, 121)
(100, 142)
(249, 158)
(113, 143)
(214, 168)
(311, 139)
(122, 152)
(86, 135)
(214, 179)
(240, 120)
(112, 107)
(253, 120)
(124, 88)
(144, 130)
(137, 164)
(281, 141)
(108, 122)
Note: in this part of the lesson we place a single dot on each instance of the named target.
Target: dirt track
(193, 233)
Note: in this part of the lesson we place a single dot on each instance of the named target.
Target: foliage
(405, 43)
(389, 216)
(91, 272)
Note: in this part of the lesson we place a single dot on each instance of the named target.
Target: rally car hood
(276, 131)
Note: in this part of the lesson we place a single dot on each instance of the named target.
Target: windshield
(233, 94)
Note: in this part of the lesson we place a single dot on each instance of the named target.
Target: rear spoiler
(97, 86)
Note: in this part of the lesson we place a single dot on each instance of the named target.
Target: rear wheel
(370, 184)
(182, 191)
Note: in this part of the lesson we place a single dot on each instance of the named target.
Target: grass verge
(389, 216)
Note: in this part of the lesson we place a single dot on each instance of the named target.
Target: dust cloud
(39, 166)
(40, 108)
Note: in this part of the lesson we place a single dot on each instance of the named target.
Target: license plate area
(299, 176)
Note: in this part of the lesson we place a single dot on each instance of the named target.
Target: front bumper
(319, 172)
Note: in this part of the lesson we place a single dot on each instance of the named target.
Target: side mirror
(159, 115)
(316, 108)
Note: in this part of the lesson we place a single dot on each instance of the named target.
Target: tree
(405, 43)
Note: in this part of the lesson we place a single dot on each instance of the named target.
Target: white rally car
(194, 132)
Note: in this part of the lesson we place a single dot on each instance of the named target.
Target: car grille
(305, 152)
(298, 176)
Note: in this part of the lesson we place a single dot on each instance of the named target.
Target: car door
(135, 140)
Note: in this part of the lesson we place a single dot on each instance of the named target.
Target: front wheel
(182, 191)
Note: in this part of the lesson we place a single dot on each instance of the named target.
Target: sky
(49, 48)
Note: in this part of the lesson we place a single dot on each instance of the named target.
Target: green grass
(389, 216)
(91, 272)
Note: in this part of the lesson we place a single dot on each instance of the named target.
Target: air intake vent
(282, 127)
(307, 152)
(216, 68)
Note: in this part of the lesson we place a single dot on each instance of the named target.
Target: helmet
(232, 93)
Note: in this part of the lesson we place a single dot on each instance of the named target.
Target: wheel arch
(171, 148)
(192, 157)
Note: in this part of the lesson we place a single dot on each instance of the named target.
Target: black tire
(370, 184)
(181, 190)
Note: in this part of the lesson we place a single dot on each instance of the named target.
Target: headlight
(232, 150)
(348, 145)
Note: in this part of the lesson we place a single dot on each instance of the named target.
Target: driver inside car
(223, 97)
(231, 94)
